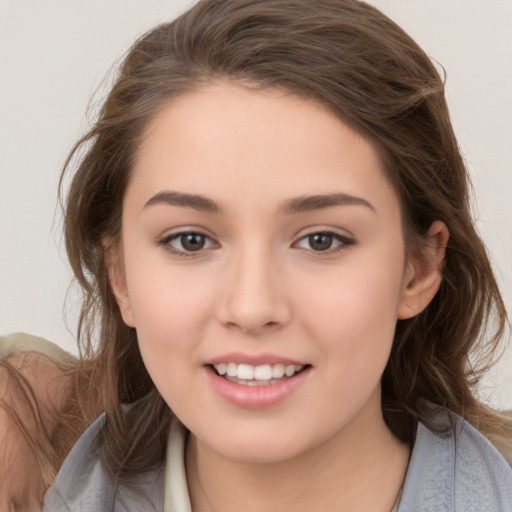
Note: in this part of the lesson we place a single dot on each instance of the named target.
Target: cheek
(168, 327)
(163, 293)
(353, 314)
(170, 308)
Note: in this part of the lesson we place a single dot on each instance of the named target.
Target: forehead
(230, 141)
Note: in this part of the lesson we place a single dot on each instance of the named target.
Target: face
(263, 268)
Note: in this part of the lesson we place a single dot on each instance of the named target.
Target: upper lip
(254, 359)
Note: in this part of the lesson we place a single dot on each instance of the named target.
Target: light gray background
(54, 54)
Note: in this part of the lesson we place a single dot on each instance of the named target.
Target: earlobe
(117, 280)
(423, 275)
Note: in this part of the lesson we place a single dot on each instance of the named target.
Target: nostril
(253, 327)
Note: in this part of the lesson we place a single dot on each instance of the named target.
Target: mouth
(256, 382)
(260, 375)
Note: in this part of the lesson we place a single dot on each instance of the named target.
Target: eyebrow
(299, 204)
(194, 201)
(318, 202)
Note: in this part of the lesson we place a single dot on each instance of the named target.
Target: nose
(253, 298)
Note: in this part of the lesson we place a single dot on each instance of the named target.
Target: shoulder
(455, 472)
(84, 484)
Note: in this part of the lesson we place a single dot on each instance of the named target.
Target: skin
(259, 288)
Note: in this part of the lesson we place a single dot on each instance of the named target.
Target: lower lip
(255, 397)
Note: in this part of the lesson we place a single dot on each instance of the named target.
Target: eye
(185, 243)
(324, 241)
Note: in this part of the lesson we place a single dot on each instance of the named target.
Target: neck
(359, 469)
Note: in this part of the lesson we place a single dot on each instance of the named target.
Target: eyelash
(344, 243)
(166, 243)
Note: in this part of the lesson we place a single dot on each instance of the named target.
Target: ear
(117, 280)
(422, 277)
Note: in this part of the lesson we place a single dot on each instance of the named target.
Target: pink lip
(255, 397)
(253, 359)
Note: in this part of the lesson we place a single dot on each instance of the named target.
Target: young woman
(282, 281)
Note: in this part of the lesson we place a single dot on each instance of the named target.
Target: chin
(263, 446)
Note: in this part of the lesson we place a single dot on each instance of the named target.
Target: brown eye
(320, 241)
(187, 243)
(324, 241)
(192, 241)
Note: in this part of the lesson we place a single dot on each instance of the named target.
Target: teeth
(245, 372)
(231, 369)
(277, 371)
(264, 372)
(289, 370)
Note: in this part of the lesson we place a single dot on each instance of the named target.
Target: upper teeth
(263, 372)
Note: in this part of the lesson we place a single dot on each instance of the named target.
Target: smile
(256, 386)
(261, 375)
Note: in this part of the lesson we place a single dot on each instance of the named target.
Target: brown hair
(353, 59)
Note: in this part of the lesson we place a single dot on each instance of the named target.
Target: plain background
(54, 55)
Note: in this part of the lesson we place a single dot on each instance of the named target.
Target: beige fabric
(176, 492)
(22, 342)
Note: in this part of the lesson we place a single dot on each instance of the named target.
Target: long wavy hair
(348, 56)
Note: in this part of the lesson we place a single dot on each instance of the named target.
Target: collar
(176, 490)
(459, 471)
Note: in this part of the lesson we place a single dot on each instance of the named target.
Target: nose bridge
(253, 297)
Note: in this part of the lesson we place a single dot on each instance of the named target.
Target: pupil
(320, 242)
(192, 242)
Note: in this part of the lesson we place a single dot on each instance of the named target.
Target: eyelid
(165, 242)
(345, 241)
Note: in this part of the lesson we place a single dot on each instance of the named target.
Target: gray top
(461, 472)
